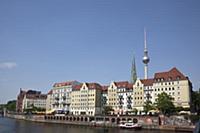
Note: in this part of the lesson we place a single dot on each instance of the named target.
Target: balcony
(64, 98)
(121, 103)
(56, 104)
(57, 98)
(129, 106)
(121, 98)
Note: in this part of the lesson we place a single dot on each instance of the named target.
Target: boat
(130, 125)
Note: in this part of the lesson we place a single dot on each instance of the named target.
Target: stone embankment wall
(148, 122)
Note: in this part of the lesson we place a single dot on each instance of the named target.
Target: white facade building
(61, 95)
(34, 99)
(120, 96)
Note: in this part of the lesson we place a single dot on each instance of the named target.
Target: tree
(135, 111)
(164, 103)
(11, 105)
(107, 110)
(196, 101)
(148, 106)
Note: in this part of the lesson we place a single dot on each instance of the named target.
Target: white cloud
(7, 65)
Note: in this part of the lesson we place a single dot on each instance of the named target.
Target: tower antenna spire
(145, 59)
(145, 39)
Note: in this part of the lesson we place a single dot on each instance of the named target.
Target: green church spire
(133, 71)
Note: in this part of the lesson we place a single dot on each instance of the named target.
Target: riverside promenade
(148, 122)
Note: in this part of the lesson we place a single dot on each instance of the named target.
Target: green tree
(107, 110)
(11, 105)
(135, 111)
(164, 103)
(148, 106)
(196, 101)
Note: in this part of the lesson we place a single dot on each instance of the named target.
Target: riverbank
(148, 122)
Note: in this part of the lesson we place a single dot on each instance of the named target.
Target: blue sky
(43, 42)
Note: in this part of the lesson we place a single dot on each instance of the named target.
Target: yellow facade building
(86, 99)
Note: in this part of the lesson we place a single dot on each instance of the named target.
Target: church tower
(133, 71)
(145, 59)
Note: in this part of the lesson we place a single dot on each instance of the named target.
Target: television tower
(145, 59)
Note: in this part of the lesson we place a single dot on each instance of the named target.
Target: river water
(8, 125)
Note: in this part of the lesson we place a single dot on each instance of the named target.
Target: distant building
(19, 103)
(29, 99)
(86, 99)
(34, 98)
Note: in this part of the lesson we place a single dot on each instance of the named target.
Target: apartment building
(61, 99)
(104, 96)
(49, 101)
(120, 96)
(138, 95)
(19, 103)
(86, 99)
(174, 83)
(34, 98)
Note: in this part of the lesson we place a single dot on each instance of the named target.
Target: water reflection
(21, 126)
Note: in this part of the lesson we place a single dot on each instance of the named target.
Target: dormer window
(178, 77)
(112, 87)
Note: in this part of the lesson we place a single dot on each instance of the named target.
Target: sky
(47, 41)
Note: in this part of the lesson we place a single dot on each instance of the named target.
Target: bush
(194, 118)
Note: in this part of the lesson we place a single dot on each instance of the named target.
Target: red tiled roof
(77, 87)
(172, 74)
(147, 82)
(64, 83)
(93, 86)
(36, 96)
(123, 84)
(50, 92)
(89, 85)
(104, 88)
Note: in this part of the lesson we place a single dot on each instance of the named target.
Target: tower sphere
(146, 59)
